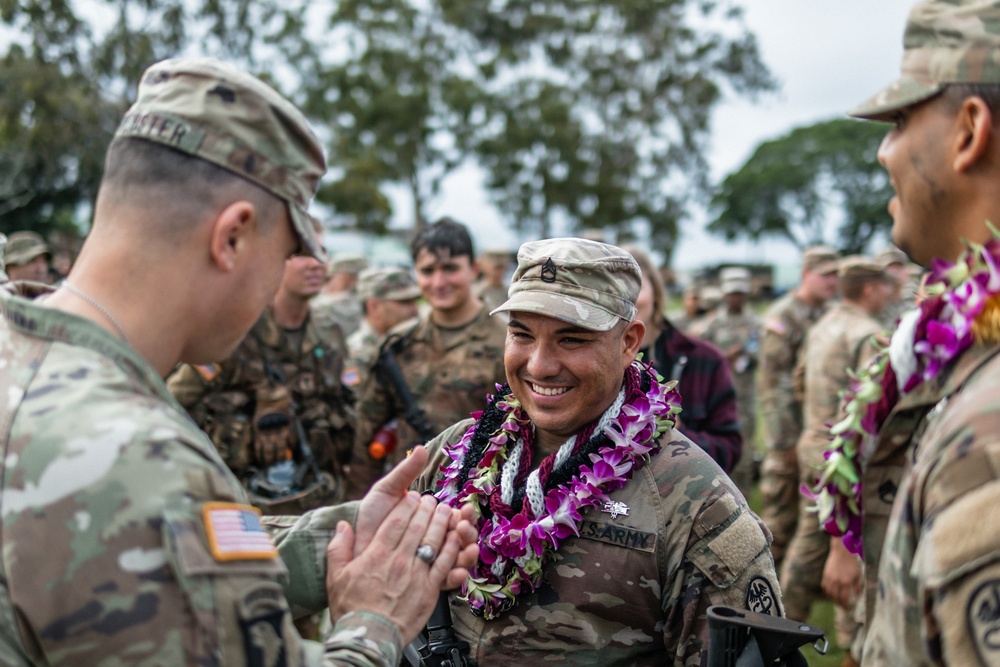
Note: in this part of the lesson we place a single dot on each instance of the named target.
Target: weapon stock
(742, 638)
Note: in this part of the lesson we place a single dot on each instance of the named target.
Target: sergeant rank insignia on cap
(549, 271)
(236, 533)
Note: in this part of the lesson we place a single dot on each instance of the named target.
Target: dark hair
(443, 236)
(168, 180)
(956, 93)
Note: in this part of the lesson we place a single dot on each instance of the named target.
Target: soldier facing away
(126, 539)
(786, 323)
(448, 359)
(840, 341)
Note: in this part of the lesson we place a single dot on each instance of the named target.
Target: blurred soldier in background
(786, 323)
(433, 371)
(840, 341)
(27, 257)
(388, 297)
(898, 265)
(710, 415)
(276, 409)
(338, 301)
(709, 298)
(734, 329)
(692, 309)
(492, 287)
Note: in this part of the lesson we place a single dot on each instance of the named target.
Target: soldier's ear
(632, 339)
(230, 234)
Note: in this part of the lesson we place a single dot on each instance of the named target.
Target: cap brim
(561, 307)
(900, 94)
(404, 294)
(307, 228)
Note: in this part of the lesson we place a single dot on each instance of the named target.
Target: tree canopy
(592, 112)
(794, 187)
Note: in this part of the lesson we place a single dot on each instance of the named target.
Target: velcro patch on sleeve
(235, 532)
(208, 371)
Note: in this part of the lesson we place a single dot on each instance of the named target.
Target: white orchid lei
(514, 545)
(962, 307)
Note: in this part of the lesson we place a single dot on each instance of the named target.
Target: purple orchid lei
(962, 307)
(514, 551)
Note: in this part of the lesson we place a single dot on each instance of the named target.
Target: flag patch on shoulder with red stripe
(236, 533)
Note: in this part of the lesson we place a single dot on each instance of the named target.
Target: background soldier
(338, 301)
(448, 359)
(785, 326)
(898, 265)
(27, 257)
(276, 409)
(734, 329)
(491, 288)
(388, 297)
(840, 341)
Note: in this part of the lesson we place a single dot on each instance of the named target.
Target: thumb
(340, 550)
(398, 480)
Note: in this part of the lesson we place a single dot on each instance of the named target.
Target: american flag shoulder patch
(208, 371)
(236, 533)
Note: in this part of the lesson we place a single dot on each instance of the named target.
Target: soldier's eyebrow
(571, 329)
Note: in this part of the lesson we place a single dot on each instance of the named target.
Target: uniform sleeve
(727, 562)
(782, 418)
(375, 409)
(957, 567)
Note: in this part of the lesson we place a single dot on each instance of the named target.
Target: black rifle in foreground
(437, 645)
(389, 372)
(742, 638)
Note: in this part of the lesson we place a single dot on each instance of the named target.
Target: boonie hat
(956, 41)
(820, 259)
(392, 284)
(218, 113)
(586, 283)
(23, 247)
(734, 279)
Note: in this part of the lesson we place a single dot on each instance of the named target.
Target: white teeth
(545, 391)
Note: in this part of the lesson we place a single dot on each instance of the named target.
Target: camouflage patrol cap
(583, 282)
(945, 41)
(346, 264)
(23, 247)
(734, 279)
(218, 113)
(892, 255)
(392, 284)
(861, 269)
(820, 259)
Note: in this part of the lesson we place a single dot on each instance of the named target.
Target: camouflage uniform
(491, 296)
(274, 373)
(727, 331)
(841, 340)
(448, 371)
(107, 489)
(343, 309)
(785, 325)
(362, 348)
(634, 590)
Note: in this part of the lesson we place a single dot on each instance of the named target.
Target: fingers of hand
(397, 523)
(429, 526)
(399, 479)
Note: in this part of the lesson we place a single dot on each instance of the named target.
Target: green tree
(70, 69)
(792, 187)
(602, 108)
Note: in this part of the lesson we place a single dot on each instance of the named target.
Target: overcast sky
(828, 56)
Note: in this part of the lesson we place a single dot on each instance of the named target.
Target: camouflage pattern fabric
(491, 295)
(634, 589)
(106, 557)
(737, 335)
(342, 309)
(939, 573)
(362, 348)
(449, 372)
(785, 325)
(839, 341)
(225, 400)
